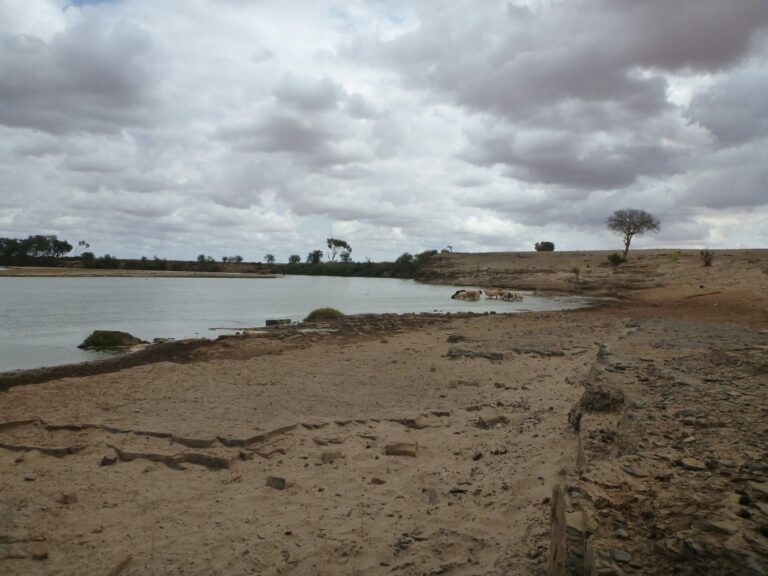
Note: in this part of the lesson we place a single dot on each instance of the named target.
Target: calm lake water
(42, 320)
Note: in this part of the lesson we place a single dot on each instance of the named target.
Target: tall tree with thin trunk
(631, 222)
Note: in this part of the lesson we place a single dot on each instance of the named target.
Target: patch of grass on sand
(107, 339)
(323, 315)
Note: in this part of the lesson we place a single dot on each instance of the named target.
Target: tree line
(49, 250)
(37, 250)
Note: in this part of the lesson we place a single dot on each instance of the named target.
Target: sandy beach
(629, 438)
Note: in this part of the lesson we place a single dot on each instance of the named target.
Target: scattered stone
(67, 499)
(476, 456)
(108, 460)
(576, 523)
(377, 481)
(401, 449)
(634, 471)
(621, 534)
(330, 457)
(602, 399)
(691, 464)
(432, 496)
(621, 556)
(324, 441)
(745, 500)
(760, 489)
(744, 513)
(754, 566)
(720, 526)
(416, 423)
(455, 353)
(37, 552)
(490, 421)
(453, 338)
(276, 482)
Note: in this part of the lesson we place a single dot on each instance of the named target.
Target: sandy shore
(420, 444)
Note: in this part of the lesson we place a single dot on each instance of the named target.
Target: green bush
(108, 339)
(676, 255)
(707, 256)
(324, 315)
(616, 259)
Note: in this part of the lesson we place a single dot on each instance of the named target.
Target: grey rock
(401, 449)
(720, 526)
(276, 482)
(634, 471)
(621, 556)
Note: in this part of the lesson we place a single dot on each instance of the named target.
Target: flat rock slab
(691, 464)
(401, 449)
(276, 482)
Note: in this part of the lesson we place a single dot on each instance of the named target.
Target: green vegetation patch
(108, 339)
(324, 315)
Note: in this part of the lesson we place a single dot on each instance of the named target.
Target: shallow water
(42, 320)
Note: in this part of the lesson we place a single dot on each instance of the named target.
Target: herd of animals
(490, 293)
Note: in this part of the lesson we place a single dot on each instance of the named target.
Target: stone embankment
(670, 474)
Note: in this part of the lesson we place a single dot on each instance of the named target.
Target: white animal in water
(494, 293)
(471, 295)
(510, 296)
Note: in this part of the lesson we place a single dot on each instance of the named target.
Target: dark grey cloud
(592, 73)
(96, 75)
(281, 132)
(734, 109)
(308, 94)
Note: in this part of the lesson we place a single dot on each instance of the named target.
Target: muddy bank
(415, 445)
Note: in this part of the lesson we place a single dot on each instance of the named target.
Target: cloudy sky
(179, 127)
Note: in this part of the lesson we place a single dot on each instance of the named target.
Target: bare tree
(631, 222)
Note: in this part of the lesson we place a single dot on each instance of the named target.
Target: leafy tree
(631, 222)
(337, 247)
(315, 257)
(87, 259)
(404, 259)
(269, 258)
(345, 257)
(294, 259)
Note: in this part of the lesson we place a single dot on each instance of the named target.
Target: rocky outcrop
(669, 477)
(107, 339)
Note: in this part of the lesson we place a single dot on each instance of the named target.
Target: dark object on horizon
(545, 247)
(106, 339)
(278, 322)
